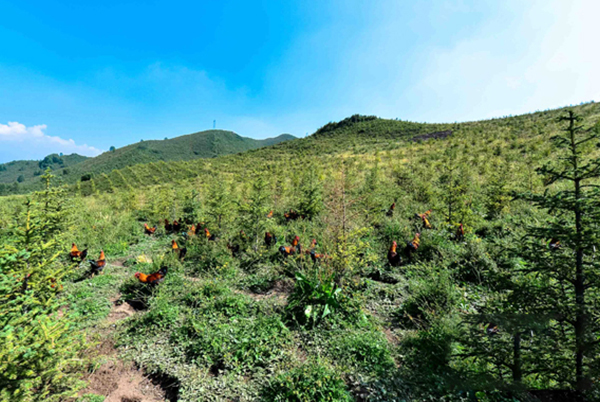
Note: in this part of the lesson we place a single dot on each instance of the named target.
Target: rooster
(270, 239)
(237, 243)
(317, 257)
(313, 246)
(181, 252)
(413, 245)
(313, 252)
(176, 226)
(210, 237)
(492, 329)
(424, 219)
(152, 279)
(390, 212)
(293, 249)
(460, 232)
(192, 230)
(393, 256)
(234, 248)
(270, 214)
(149, 230)
(291, 216)
(555, 244)
(75, 254)
(198, 227)
(168, 226)
(98, 265)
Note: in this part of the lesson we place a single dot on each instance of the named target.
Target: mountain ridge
(202, 144)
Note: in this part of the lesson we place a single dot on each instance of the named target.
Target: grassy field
(238, 321)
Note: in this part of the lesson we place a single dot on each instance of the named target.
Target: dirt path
(115, 379)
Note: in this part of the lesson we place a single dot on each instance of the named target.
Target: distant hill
(204, 144)
(20, 171)
(363, 139)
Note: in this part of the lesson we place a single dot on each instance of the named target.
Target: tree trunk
(516, 367)
(579, 275)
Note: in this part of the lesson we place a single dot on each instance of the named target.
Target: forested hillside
(23, 176)
(375, 260)
(21, 171)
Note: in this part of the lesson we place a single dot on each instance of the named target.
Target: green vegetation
(497, 313)
(205, 144)
(21, 171)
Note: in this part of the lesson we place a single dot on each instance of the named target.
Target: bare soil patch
(121, 381)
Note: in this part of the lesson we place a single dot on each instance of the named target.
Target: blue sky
(81, 76)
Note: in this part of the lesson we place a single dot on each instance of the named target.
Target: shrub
(311, 382)
(429, 297)
(240, 343)
(368, 350)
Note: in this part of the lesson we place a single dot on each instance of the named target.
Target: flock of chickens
(394, 256)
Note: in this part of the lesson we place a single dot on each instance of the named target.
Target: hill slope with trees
(403, 262)
(205, 144)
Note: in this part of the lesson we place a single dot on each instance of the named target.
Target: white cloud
(33, 142)
(542, 57)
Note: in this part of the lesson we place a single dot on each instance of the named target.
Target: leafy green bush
(368, 350)
(311, 382)
(239, 343)
(430, 297)
(313, 299)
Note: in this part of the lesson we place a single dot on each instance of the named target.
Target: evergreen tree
(256, 208)
(38, 349)
(568, 261)
(311, 201)
(453, 185)
(219, 202)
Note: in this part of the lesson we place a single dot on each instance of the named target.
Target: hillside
(11, 171)
(425, 262)
(205, 144)
(518, 140)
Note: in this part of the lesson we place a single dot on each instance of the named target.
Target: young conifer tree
(311, 197)
(256, 208)
(563, 251)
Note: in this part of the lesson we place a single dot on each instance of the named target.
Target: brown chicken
(393, 256)
(413, 245)
(270, 239)
(98, 265)
(460, 232)
(424, 219)
(313, 246)
(180, 251)
(76, 255)
(209, 236)
(492, 329)
(149, 230)
(295, 248)
(291, 216)
(152, 279)
(390, 212)
(317, 256)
